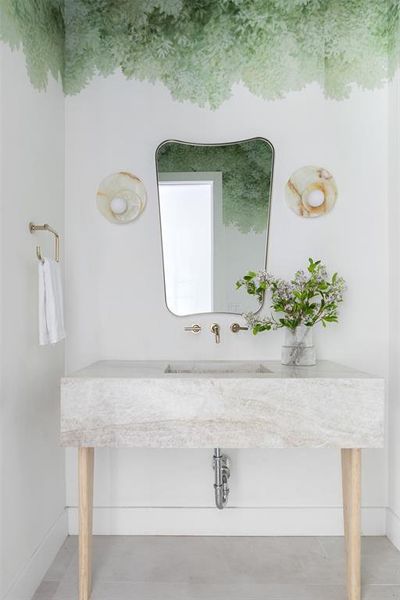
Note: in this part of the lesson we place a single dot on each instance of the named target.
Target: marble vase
(298, 348)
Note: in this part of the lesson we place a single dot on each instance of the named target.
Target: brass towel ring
(46, 227)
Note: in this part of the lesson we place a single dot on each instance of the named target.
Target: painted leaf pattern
(199, 49)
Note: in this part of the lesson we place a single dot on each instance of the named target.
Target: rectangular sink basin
(220, 367)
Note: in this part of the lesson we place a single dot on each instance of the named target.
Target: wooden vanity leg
(86, 464)
(351, 480)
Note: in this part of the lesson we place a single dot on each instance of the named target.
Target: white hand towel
(51, 309)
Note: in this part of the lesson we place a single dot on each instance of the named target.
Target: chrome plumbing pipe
(221, 476)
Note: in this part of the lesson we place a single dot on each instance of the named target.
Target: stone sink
(231, 404)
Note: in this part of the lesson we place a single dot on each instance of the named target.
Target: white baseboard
(231, 521)
(393, 527)
(32, 574)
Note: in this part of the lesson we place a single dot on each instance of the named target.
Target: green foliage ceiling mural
(37, 25)
(200, 48)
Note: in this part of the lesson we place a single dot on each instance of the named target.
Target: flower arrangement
(311, 297)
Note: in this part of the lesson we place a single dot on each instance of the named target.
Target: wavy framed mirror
(214, 202)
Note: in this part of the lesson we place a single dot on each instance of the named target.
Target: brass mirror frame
(173, 141)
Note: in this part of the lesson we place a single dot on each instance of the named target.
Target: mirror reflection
(214, 207)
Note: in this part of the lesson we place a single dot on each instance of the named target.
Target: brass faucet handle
(215, 329)
(235, 327)
(193, 328)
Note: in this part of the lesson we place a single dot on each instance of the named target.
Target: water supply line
(221, 476)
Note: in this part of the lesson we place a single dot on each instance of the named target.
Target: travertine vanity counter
(230, 404)
(246, 404)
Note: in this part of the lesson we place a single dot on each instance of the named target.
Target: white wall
(116, 310)
(393, 520)
(33, 523)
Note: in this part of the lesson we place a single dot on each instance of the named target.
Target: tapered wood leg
(351, 479)
(86, 464)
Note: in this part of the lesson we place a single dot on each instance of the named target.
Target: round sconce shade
(121, 197)
(311, 192)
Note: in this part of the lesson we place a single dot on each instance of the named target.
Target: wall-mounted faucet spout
(222, 474)
(216, 329)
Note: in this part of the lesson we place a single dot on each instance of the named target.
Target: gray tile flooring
(222, 568)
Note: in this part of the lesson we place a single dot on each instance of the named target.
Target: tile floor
(222, 568)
